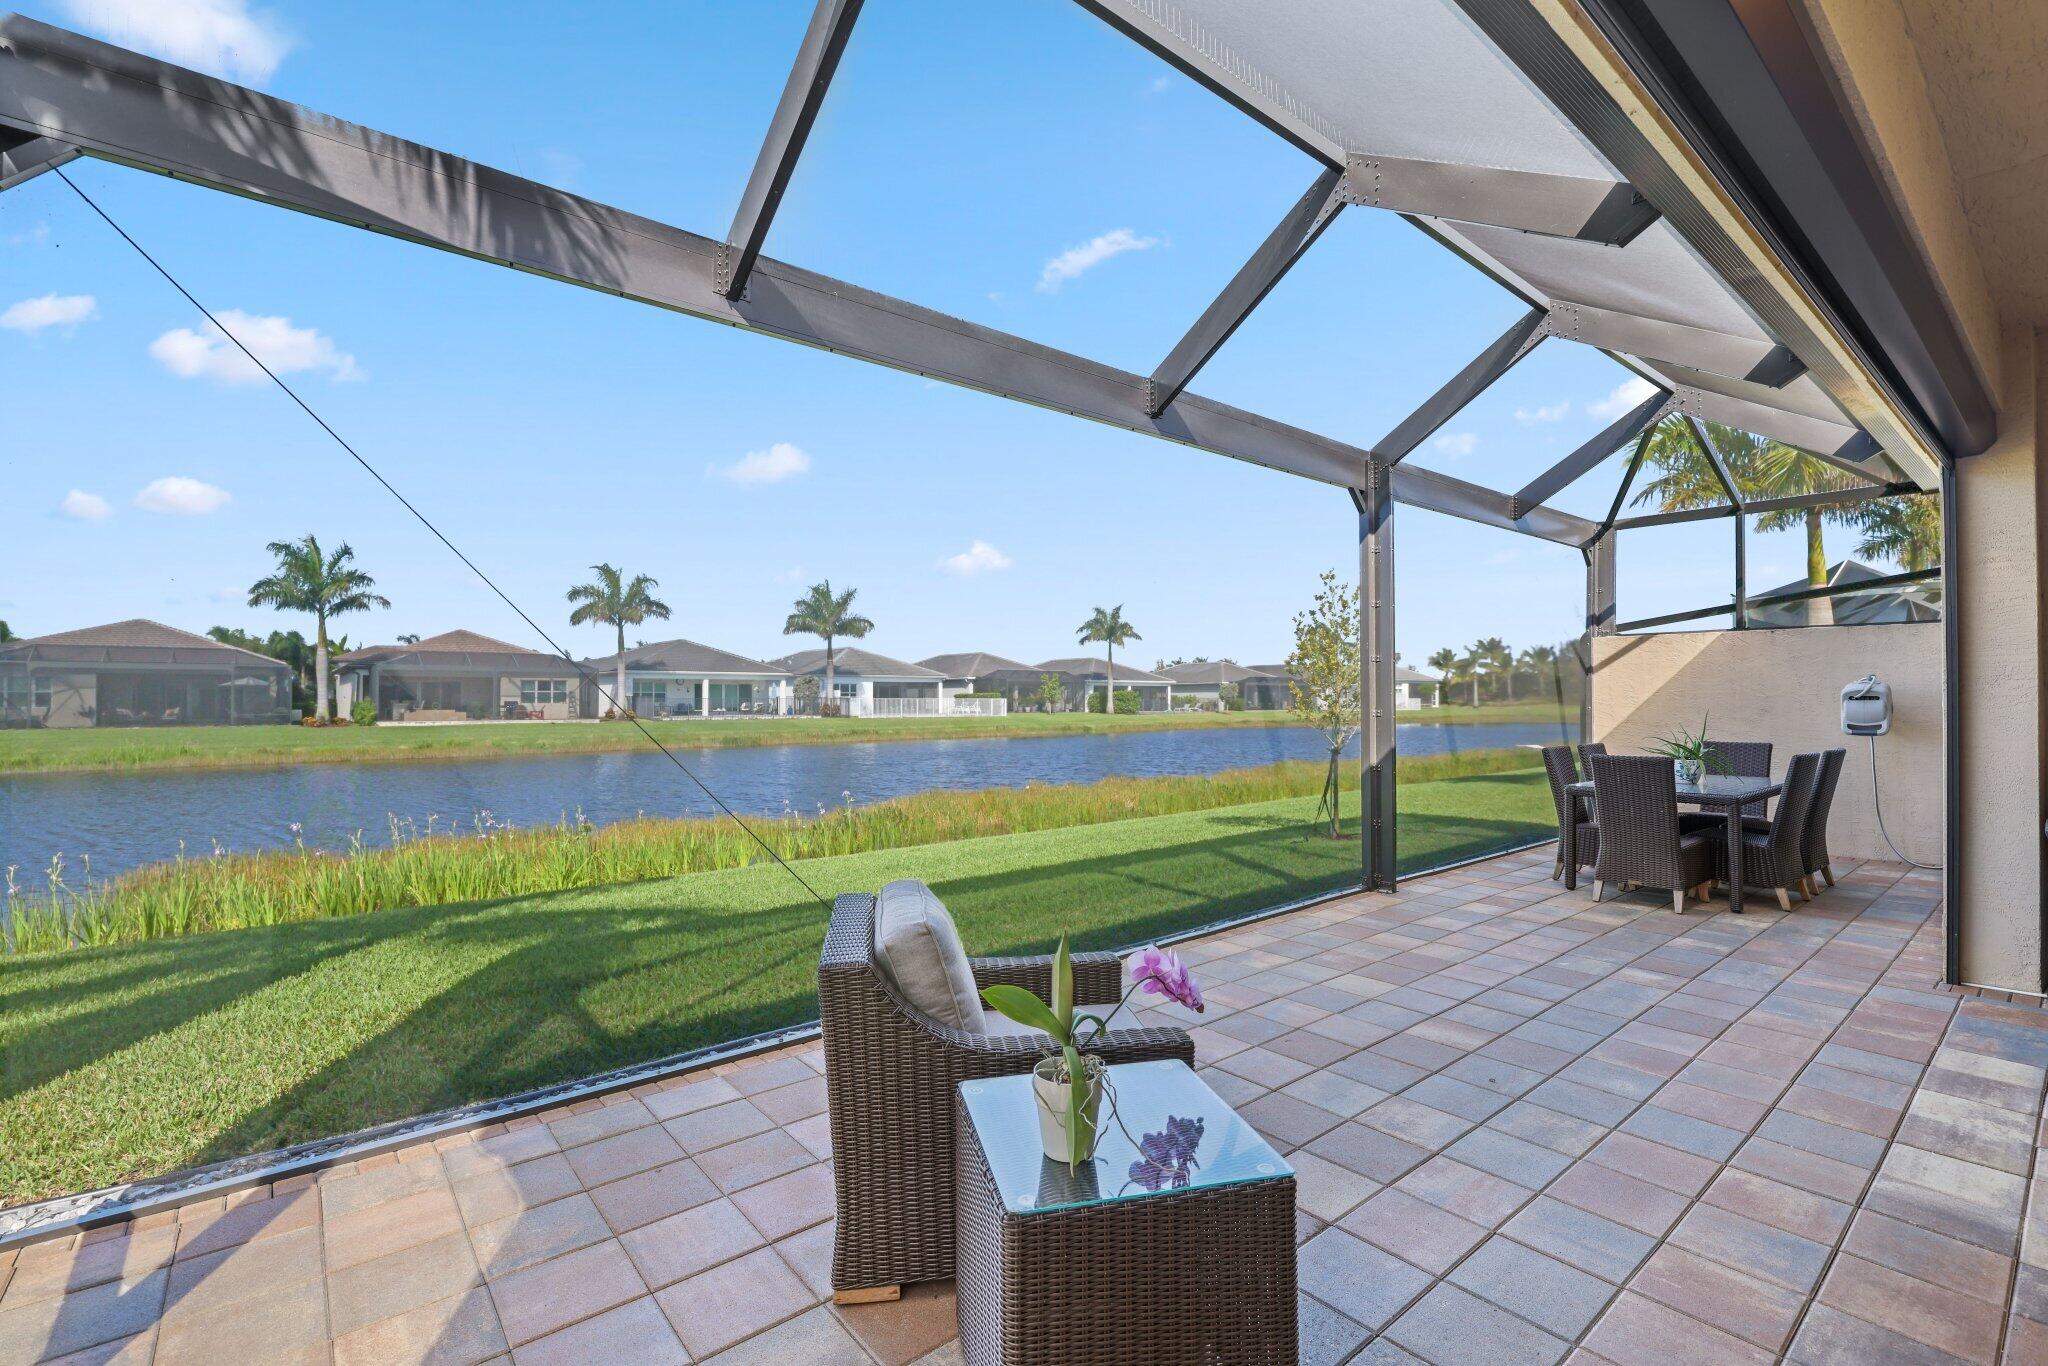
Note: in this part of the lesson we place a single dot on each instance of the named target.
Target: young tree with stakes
(1324, 679)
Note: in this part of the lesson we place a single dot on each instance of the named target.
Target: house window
(731, 696)
(441, 695)
(650, 695)
(536, 692)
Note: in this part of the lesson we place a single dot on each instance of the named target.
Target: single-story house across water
(869, 684)
(138, 673)
(460, 676)
(1085, 676)
(979, 672)
(1202, 683)
(685, 678)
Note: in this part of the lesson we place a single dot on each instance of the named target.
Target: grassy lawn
(62, 751)
(144, 1058)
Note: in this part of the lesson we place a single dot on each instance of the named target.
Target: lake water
(123, 820)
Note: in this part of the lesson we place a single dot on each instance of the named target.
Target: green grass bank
(71, 751)
(142, 1058)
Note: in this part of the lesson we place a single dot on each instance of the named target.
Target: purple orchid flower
(1168, 1158)
(1159, 972)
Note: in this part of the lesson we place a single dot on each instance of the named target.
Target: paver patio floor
(1527, 1128)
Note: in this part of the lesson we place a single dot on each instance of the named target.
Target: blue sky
(1022, 166)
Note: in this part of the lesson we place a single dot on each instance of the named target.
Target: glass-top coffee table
(1175, 1244)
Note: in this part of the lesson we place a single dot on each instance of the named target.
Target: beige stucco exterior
(1785, 687)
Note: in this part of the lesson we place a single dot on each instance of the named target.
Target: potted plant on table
(1690, 754)
(1069, 1081)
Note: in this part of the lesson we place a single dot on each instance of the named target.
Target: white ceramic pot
(1688, 771)
(1052, 1093)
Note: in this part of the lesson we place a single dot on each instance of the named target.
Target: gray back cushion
(919, 951)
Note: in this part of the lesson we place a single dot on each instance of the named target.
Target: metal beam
(1418, 487)
(149, 114)
(1247, 289)
(1604, 211)
(809, 77)
(1831, 590)
(1623, 429)
(1757, 507)
(1722, 474)
(1837, 443)
(24, 156)
(1377, 794)
(1489, 365)
(1628, 481)
(1952, 911)
(1697, 348)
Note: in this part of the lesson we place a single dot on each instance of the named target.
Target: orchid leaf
(1017, 1004)
(1101, 1026)
(1063, 991)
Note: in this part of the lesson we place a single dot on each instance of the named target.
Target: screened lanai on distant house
(1085, 677)
(138, 673)
(684, 678)
(869, 684)
(460, 676)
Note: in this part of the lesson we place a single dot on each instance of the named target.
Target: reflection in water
(121, 820)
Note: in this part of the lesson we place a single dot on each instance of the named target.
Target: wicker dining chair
(1559, 769)
(1641, 843)
(891, 1071)
(1814, 856)
(1775, 858)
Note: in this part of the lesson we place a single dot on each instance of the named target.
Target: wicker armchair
(1775, 857)
(1641, 843)
(890, 1075)
(1814, 857)
(1558, 767)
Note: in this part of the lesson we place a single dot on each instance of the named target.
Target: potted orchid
(1069, 1081)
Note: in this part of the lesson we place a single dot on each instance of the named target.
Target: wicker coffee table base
(1174, 1278)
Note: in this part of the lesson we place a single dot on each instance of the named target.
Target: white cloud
(978, 558)
(779, 462)
(209, 354)
(1158, 85)
(1626, 395)
(50, 310)
(177, 494)
(1075, 262)
(1457, 443)
(81, 506)
(224, 37)
(1544, 412)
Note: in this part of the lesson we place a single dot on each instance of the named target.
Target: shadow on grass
(547, 988)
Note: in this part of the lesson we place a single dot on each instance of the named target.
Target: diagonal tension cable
(586, 675)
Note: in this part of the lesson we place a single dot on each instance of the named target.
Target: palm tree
(1906, 531)
(1110, 629)
(6, 634)
(614, 601)
(820, 612)
(1493, 655)
(1468, 667)
(1445, 662)
(1536, 659)
(1761, 469)
(327, 585)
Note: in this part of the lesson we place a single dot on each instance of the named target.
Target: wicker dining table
(1713, 792)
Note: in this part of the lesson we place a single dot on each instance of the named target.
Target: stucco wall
(1785, 687)
(1998, 501)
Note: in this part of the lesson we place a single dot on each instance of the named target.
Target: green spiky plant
(1689, 747)
(1060, 1022)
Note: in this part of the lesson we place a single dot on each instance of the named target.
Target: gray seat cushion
(919, 951)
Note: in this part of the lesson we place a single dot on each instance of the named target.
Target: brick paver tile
(1758, 1249)
(1286, 1122)
(1541, 1289)
(636, 1332)
(460, 1329)
(654, 1194)
(1929, 1256)
(287, 1325)
(753, 1160)
(691, 1096)
(391, 1226)
(1369, 1152)
(542, 1299)
(405, 1280)
(909, 1330)
(1451, 1327)
(128, 1258)
(1753, 1310)
(1587, 1241)
(787, 1203)
(1327, 1190)
(348, 1192)
(684, 1244)
(608, 1159)
(488, 1195)
(1781, 1206)
(605, 1121)
(247, 1271)
(816, 1338)
(1357, 1279)
(1955, 1323)
(1644, 1207)
(717, 1308)
(1413, 1230)
(1467, 1192)
(107, 1312)
(505, 1245)
(1638, 1331)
